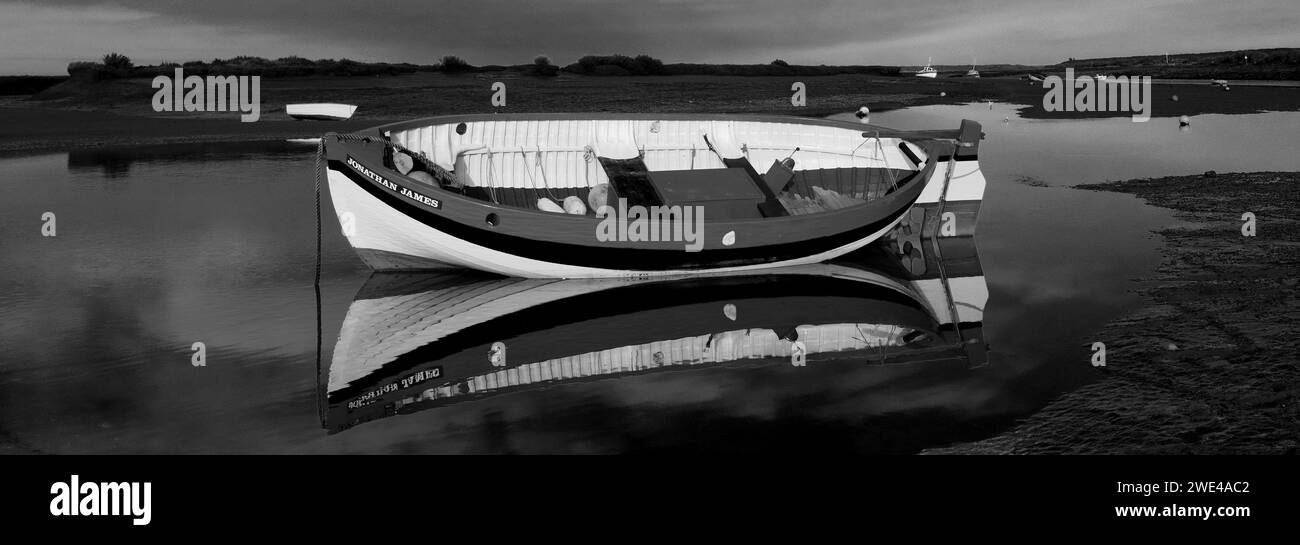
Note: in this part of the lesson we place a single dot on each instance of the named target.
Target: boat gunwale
(876, 130)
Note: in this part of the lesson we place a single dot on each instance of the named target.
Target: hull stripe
(620, 257)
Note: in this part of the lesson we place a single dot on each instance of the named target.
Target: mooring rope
(320, 166)
(320, 332)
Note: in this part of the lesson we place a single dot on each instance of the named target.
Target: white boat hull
(324, 111)
(386, 238)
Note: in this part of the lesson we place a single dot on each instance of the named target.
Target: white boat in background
(972, 73)
(320, 111)
(927, 71)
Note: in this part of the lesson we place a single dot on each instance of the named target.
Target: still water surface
(161, 247)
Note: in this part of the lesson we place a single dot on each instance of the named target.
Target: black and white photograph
(943, 232)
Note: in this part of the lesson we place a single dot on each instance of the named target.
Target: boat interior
(737, 169)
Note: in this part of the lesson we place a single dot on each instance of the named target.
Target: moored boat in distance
(972, 73)
(927, 71)
(639, 195)
(321, 111)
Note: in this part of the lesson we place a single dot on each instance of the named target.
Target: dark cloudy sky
(42, 37)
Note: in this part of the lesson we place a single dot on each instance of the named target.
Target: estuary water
(159, 248)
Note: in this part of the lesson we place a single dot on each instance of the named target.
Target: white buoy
(864, 114)
(1184, 121)
(943, 93)
(1174, 98)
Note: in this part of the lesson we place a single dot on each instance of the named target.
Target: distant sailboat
(927, 71)
(972, 73)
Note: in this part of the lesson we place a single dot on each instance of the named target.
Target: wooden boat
(417, 341)
(324, 111)
(635, 195)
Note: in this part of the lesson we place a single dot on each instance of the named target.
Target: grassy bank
(1209, 365)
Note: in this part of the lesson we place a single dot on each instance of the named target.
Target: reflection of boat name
(428, 374)
(390, 185)
(407, 382)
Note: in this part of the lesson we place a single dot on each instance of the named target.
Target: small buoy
(1174, 98)
(573, 205)
(729, 238)
(1171, 346)
(863, 112)
(1006, 120)
(943, 93)
(403, 162)
(598, 197)
(1210, 174)
(547, 205)
(1184, 121)
(729, 310)
(990, 104)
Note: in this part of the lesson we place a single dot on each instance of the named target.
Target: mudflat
(1209, 364)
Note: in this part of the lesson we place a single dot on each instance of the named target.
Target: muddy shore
(119, 112)
(1209, 365)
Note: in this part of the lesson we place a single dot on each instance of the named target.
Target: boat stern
(950, 204)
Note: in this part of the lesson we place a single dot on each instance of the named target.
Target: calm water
(158, 248)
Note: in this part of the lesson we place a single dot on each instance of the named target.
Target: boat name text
(406, 382)
(412, 195)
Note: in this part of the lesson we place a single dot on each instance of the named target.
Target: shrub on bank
(452, 64)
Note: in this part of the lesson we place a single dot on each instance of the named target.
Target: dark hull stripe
(620, 258)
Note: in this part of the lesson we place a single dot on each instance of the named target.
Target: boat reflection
(416, 341)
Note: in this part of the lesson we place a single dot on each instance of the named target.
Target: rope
(320, 333)
(893, 182)
(320, 169)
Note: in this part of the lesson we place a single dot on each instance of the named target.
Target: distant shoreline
(119, 111)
